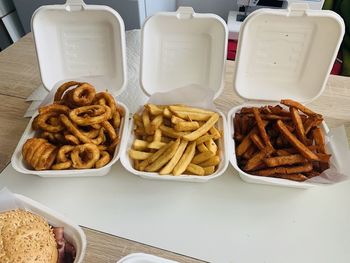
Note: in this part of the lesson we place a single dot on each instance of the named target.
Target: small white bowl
(223, 143)
(20, 166)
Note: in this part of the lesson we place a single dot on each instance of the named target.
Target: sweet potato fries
(276, 142)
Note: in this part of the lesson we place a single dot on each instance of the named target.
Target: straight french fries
(279, 142)
(176, 139)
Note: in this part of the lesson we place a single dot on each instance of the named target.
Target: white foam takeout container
(143, 258)
(180, 49)
(284, 54)
(79, 42)
(72, 232)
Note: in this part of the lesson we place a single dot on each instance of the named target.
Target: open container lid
(287, 53)
(76, 40)
(183, 48)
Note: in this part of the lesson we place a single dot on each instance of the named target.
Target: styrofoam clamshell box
(178, 49)
(284, 54)
(72, 232)
(75, 41)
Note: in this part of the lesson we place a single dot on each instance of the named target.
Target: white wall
(219, 7)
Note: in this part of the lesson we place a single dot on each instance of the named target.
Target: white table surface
(224, 220)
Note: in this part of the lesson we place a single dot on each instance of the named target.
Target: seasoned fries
(277, 142)
(176, 139)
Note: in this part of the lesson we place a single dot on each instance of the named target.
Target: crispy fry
(175, 108)
(250, 152)
(244, 124)
(285, 170)
(155, 124)
(212, 161)
(209, 170)
(186, 126)
(202, 148)
(237, 124)
(203, 129)
(257, 141)
(138, 155)
(139, 145)
(175, 119)
(312, 122)
(215, 133)
(257, 159)
(319, 140)
(167, 169)
(163, 159)
(157, 137)
(295, 142)
(292, 103)
(154, 109)
(146, 121)
(185, 159)
(167, 112)
(201, 157)
(156, 145)
(154, 156)
(284, 160)
(192, 116)
(298, 125)
(261, 128)
(170, 132)
(246, 142)
(204, 138)
(195, 169)
(211, 145)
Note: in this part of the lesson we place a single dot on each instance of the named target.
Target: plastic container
(79, 42)
(72, 232)
(287, 54)
(178, 49)
(144, 258)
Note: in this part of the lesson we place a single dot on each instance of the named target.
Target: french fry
(138, 155)
(212, 161)
(170, 132)
(146, 121)
(167, 169)
(285, 170)
(215, 133)
(211, 145)
(202, 148)
(209, 170)
(154, 109)
(257, 141)
(203, 129)
(139, 145)
(137, 120)
(284, 160)
(261, 128)
(192, 116)
(157, 137)
(163, 159)
(156, 145)
(175, 119)
(154, 156)
(186, 126)
(244, 124)
(195, 169)
(201, 157)
(292, 103)
(155, 123)
(298, 125)
(175, 108)
(136, 164)
(249, 152)
(295, 142)
(257, 160)
(185, 160)
(319, 140)
(237, 125)
(167, 112)
(204, 138)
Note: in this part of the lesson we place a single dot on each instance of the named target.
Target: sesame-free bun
(26, 238)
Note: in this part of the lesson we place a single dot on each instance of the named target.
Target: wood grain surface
(19, 76)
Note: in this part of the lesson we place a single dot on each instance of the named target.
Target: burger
(26, 237)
